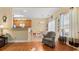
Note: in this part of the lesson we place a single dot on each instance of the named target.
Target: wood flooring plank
(35, 46)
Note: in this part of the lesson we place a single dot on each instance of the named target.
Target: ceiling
(33, 12)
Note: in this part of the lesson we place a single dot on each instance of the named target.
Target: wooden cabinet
(16, 22)
(26, 23)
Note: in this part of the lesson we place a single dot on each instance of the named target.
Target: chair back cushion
(50, 34)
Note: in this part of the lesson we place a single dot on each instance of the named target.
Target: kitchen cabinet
(24, 23)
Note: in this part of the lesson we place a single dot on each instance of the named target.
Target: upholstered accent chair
(49, 39)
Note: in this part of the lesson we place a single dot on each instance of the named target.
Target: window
(64, 25)
(51, 26)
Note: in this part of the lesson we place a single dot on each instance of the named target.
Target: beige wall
(6, 12)
(39, 25)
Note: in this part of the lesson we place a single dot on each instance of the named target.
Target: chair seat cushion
(49, 39)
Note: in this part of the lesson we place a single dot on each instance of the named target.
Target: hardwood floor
(35, 46)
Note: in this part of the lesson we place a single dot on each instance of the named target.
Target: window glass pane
(64, 25)
(51, 26)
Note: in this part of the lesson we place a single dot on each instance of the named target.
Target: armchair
(49, 39)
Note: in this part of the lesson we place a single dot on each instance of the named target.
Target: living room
(25, 28)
